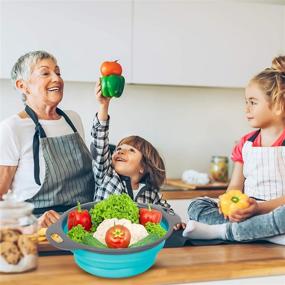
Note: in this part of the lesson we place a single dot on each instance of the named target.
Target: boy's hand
(180, 226)
(220, 210)
(48, 218)
(100, 98)
(243, 214)
(103, 102)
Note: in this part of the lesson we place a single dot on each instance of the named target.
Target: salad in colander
(117, 222)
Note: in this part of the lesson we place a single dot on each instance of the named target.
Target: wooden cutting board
(185, 186)
(45, 246)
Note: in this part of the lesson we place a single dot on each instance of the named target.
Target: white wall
(187, 125)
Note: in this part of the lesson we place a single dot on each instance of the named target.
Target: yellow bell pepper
(233, 200)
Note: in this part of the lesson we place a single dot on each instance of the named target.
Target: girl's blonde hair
(272, 82)
(152, 163)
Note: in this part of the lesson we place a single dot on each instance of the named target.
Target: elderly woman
(43, 158)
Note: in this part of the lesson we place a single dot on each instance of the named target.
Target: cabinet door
(204, 44)
(80, 34)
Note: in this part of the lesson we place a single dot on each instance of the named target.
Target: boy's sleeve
(100, 151)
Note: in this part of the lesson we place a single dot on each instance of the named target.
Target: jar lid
(9, 209)
(220, 157)
(12, 209)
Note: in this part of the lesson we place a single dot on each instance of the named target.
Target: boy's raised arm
(100, 136)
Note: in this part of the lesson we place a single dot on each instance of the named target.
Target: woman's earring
(24, 97)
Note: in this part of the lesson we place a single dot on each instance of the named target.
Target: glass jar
(18, 237)
(219, 168)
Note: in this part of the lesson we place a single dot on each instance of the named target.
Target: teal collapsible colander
(107, 262)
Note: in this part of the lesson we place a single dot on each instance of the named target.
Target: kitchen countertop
(175, 189)
(173, 265)
(179, 194)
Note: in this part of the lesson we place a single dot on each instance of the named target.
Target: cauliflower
(137, 231)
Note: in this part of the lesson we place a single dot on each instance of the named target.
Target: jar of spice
(18, 237)
(219, 168)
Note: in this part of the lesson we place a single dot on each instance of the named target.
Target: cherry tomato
(118, 236)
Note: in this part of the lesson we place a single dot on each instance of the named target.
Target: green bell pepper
(112, 85)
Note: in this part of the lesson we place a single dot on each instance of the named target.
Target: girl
(259, 169)
(135, 167)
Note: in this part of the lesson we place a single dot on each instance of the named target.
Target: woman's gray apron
(69, 176)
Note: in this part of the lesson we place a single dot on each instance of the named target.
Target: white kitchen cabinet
(204, 43)
(81, 34)
(198, 43)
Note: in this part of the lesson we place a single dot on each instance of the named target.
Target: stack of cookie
(18, 252)
(42, 234)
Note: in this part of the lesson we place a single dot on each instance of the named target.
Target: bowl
(107, 262)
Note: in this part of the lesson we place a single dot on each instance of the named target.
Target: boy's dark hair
(152, 163)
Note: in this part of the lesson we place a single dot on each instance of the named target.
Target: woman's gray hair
(22, 69)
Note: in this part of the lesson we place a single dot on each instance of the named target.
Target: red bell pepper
(79, 217)
(150, 215)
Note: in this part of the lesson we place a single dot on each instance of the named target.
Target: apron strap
(142, 190)
(35, 119)
(60, 112)
(253, 137)
(39, 132)
(128, 185)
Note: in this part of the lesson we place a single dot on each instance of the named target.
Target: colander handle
(64, 244)
(173, 218)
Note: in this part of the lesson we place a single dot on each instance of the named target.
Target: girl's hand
(104, 101)
(243, 214)
(220, 211)
(48, 218)
(180, 226)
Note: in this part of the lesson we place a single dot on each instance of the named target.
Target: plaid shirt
(107, 180)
